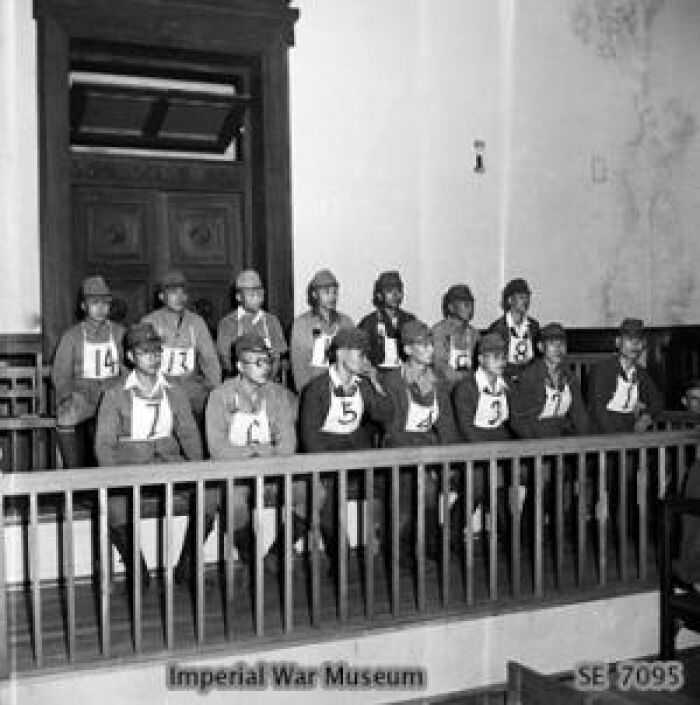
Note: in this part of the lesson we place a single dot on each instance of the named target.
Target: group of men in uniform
(156, 390)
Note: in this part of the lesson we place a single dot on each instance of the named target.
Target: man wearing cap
(313, 331)
(384, 324)
(249, 317)
(87, 362)
(143, 420)
(547, 402)
(520, 331)
(622, 395)
(455, 338)
(188, 357)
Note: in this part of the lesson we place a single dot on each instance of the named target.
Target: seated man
(336, 413)
(547, 401)
(687, 567)
(251, 416)
(143, 420)
(622, 395)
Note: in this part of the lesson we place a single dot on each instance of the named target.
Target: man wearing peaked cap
(516, 327)
(249, 317)
(547, 402)
(385, 322)
(143, 420)
(455, 337)
(313, 331)
(189, 357)
(249, 416)
(87, 362)
(622, 395)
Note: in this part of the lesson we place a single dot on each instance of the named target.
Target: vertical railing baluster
(622, 515)
(642, 512)
(581, 518)
(342, 570)
(258, 505)
(199, 558)
(468, 533)
(69, 570)
(371, 541)
(493, 524)
(602, 511)
(680, 467)
(288, 555)
(395, 546)
(228, 557)
(558, 469)
(136, 564)
(514, 511)
(316, 548)
(168, 547)
(105, 570)
(420, 535)
(445, 543)
(539, 522)
(4, 628)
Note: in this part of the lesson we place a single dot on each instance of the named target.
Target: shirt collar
(132, 382)
(335, 378)
(241, 312)
(519, 329)
(482, 383)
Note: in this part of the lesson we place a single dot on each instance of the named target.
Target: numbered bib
(391, 349)
(151, 419)
(460, 359)
(491, 411)
(626, 397)
(248, 429)
(420, 419)
(319, 356)
(177, 362)
(519, 350)
(557, 402)
(345, 414)
(100, 360)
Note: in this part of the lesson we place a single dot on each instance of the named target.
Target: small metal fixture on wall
(479, 148)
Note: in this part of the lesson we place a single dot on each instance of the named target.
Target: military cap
(415, 331)
(142, 336)
(458, 292)
(389, 280)
(553, 331)
(95, 287)
(324, 277)
(248, 279)
(250, 342)
(351, 339)
(172, 279)
(632, 328)
(492, 343)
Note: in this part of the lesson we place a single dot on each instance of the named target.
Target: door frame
(261, 29)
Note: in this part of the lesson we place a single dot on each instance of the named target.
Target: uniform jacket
(238, 323)
(67, 369)
(395, 434)
(501, 327)
(465, 398)
(528, 402)
(601, 388)
(280, 405)
(451, 332)
(313, 410)
(114, 428)
(370, 324)
(302, 344)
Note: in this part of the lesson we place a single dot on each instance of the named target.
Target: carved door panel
(133, 236)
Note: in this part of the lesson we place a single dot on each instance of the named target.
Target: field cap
(173, 279)
(415, 332)
(389, 280)
(142, 336)
(553, 331)
(324, 277)
(459, 292)
(95, 287)
(515, 286)
(351, 339)
(248, 279)
(251, 342)
(492, 343)
(632, 328)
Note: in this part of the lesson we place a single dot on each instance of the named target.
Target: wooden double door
(133, 236)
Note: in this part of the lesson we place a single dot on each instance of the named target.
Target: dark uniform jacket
(465, 398)
(371, 322)
(501, 327)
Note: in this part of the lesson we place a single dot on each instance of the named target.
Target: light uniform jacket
(455, 346)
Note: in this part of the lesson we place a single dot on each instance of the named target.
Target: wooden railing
(602, 542)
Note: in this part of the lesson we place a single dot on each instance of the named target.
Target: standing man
(189, 357)
(313, 331)
(87, 362)
(623, 396)
(143, 420)
(384, 325)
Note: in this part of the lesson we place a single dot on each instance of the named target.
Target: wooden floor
(439, 598)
